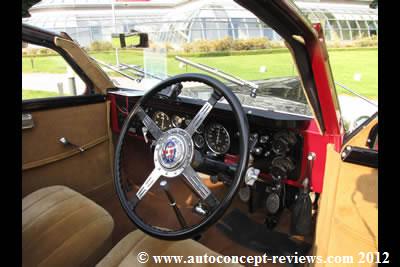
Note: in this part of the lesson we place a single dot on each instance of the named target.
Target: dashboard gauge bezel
(155, 120)
(173, 120)
(196, 143)
(207, 128)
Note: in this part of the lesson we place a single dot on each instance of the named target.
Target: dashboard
(279, 143)
(275, 145)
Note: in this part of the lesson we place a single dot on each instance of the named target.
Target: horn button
(173, 152)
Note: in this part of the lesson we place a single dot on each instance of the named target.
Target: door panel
(347, 223)
(46, 161)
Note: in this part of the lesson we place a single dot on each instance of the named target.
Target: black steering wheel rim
(216, 214)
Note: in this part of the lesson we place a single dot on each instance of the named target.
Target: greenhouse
(182, 21)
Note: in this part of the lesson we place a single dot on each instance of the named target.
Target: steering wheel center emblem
(172, 151)
(169, 152)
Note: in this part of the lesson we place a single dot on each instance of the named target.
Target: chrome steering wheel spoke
(148, 184)
(149, 123)
(202, 113)
(194, 180)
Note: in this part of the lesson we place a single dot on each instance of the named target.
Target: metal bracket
(27, 121)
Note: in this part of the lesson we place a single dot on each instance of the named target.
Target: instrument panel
(275, 145)
(213, 135)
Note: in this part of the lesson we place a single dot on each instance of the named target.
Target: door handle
(27, 121)
(66, 142)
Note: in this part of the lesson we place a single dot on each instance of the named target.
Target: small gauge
(177, 121)
(217, 138)
(200, 130)
(244, 193)
(199, 141)
(162, 120)
(187, 122)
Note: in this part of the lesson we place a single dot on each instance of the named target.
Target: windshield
(217, 35)
(221, 35)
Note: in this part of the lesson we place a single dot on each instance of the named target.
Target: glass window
(329, 15)
(355, 34)
(346, 35)
(269, 33)
(211, 30)
(46, 74)
(240, 28)
(196, 31)
(343, 24)
(353, 24)
(253, 26)
(372, 27)
(334, 24)
(363, 24)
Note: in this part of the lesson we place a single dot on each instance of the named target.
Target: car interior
(192, 166)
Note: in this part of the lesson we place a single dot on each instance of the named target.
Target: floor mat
(241, 229)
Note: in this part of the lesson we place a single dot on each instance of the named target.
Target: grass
(345, 65)
(30, 94)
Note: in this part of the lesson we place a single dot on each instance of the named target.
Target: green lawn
(30, 94)
(345, 64)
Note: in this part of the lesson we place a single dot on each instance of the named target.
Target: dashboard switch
(145, 131)
(251, 176)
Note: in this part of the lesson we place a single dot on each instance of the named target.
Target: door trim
(60, 102)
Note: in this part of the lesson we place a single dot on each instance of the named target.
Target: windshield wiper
(142, 72)
(357, 94)
(229, 77)
(139, 72)
(116, 69)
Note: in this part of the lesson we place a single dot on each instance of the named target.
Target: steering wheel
(173, 155)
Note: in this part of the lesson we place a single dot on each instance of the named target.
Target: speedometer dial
(162, 120)
(217, 138)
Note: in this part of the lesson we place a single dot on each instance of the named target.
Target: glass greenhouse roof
(191, 20)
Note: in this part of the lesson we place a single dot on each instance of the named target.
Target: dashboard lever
(145, 131)
(252, 176)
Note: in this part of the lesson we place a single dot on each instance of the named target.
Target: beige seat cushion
(125, 253)
(61, 227)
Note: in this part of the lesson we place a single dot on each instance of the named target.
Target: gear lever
(172, 203)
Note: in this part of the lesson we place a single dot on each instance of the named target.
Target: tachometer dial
(217, 138)
(162, 120)
(177, 121)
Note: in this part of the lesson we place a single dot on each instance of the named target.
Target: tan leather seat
(61, 227)
(125, 253)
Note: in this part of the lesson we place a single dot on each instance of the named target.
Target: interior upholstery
(125, 253)
(88, 173)
(348, 215)
(61, 227)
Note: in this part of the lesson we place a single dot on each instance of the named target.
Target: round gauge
(200, 130)
(177, 121)
(162, 120)
(187, 121)
(199, 141)
(217, 138)
(244, 194)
